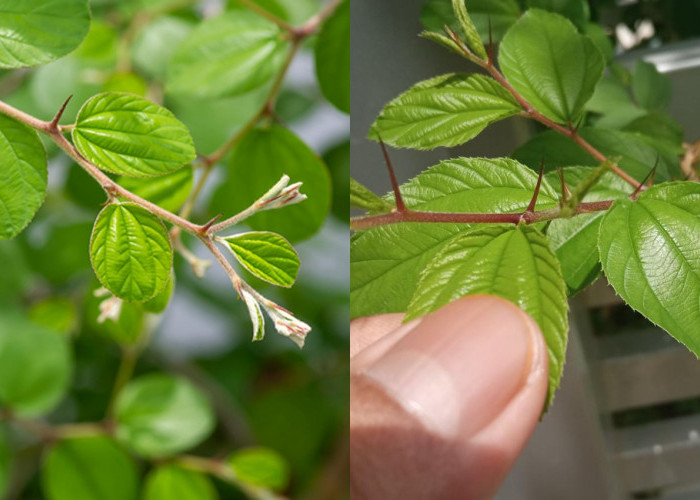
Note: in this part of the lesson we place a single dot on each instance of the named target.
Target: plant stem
(367, 222)
(262, 12)
(530, 112)
(126, 369)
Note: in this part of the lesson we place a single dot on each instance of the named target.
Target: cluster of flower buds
(281, 195)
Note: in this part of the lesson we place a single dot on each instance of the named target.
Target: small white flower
(286, 324)
(110, 308)
(274, 191)
(256, 315)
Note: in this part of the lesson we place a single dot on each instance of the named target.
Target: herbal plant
(138, 163)
(601, 189)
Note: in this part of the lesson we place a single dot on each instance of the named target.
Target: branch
(530, 112)
(370, 221)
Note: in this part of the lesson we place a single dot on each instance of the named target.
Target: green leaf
(126, 82)
(574, 240)
(293, 11)
(266, 255)
(362, 197)
(23, 176)
(89, 468)
(576, 11)
(601, 39)
(651, 257)
(155, 44)
(636, 157)
(159, 415)
(332, 52)
(60, 255)
(444, 111)
(130, 252)
(550, 64)
(513, 263)
(126, 134)
(385, 262)
(338, 161)
(260, 467)
(37, 31)
(257, 163)
(168, 191)
(160, 302)
(468, 29)
(99, 48)
(652, 90)
(168, 482)
(227, 55)
(35, 365)
(614, 103)
(5, 462)
(501, 14)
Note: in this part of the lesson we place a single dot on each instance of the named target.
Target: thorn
(642, 185)
(53, 124)
(400, 206)
(490, 47)
(533, 201)
(565, 191)
(209, 224)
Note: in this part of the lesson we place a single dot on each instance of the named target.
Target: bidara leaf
(129, 135)
(385, 261)
(443, 111)
(89, 468)
(650, 254)
(170, 481)
(39, 31)
(227, 55)
(332, 52)
(513, 263)
(550, 64)
(23, 176)
(574, 240)
(266, 255)
(168, 191)
(130, 252)
(362, 197)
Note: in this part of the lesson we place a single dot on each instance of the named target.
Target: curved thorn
(400, 206)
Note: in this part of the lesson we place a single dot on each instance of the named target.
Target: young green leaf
(128, 135)
(444, 111)
(266, 255)
(227, 55)
(260, 159)
(260, 467)
(550, 64)
(652, 90)
(332, 52)
(36, 31)
(385, 262)
(168, 482)
(499, 14)
(362, 197)
(89, 468)
(513, 263)
(468, 28)
(35, 365)
(23, 176)
(574, 240)
(159, 415)
(168, 191)
(650, 255)
(130, 252)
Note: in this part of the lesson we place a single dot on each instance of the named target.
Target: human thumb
(441, 408)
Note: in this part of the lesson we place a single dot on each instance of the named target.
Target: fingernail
(460, 366)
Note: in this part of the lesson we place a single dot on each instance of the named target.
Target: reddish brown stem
(400, 205)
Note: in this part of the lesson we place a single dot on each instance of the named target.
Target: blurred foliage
(293, 404)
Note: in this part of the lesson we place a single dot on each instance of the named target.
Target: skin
(441, 407)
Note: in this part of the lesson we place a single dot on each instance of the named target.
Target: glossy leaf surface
(444, 111)
(550, 64)
(23, 176)
(130, 252)
(129, 135)
(266, 255)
